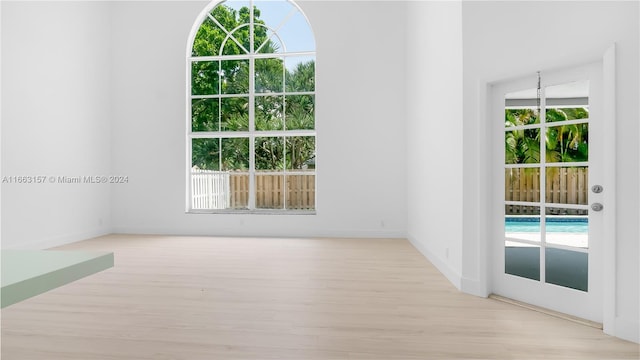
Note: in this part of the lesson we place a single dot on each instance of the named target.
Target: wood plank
(563, 185)
(508, 185)
(536, 185)
(572, 187)
(582, 185)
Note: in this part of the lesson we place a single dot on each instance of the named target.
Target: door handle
(597, 207)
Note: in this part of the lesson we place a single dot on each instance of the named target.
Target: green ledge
(27, 273)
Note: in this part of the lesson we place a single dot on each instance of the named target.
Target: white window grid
(251, 55)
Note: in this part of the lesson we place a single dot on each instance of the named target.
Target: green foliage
(522, 146)
(298, 150)
(206, 154)
(563, 143)
(269, 153)
(229, 114)
(302, 78)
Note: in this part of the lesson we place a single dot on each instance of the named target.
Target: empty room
(277, 179)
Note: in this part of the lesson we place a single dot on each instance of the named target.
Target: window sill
(253, 212)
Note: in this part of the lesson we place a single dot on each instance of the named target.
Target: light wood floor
(247, 298)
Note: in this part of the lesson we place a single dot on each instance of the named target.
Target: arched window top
(227, 28)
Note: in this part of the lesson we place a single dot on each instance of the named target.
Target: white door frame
(608, 246)
(609, 222)
(583, 304)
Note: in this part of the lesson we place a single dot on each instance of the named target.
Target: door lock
(597, 189)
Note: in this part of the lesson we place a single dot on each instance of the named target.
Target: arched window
(251, 134)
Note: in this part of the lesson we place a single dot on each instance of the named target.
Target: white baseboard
(627, 330)
(451, 275)
(53, 241)
(474, 287)
(374, 234)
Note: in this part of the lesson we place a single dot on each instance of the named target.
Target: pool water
(561, 225)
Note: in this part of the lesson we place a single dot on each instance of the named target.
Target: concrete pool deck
(579, 240)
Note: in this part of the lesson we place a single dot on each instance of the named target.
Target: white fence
(210, 189)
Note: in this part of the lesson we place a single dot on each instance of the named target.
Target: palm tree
(567, 143)
(521, 146)
(563, 143)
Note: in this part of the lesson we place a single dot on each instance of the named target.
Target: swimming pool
(568, 224)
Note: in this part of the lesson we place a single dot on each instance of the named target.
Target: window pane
(269, 75)
(238, 44)
(567, 185)
(205, 115)
(301, 152)
(522, 146)
(567, 268)
(239, 188)
(267, 42)
(301, 73)
(210, 189)
(231, 14)
(520, 116)
(268, 112)
(235, 154)
(274, 13)
(522, 184)
(205, 154)
(522, 223)
(522, 260)
(208, 39)
(568, 143)
(234, 114)
(204, 78)
(235, 76)
(268, 16)
(270, 190)
(300, 112)
(219, 178)
(301, 191)
(296, 34)
(292, 26)
(569, 227)
(270, 153)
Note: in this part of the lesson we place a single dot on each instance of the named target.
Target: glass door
(548, 233)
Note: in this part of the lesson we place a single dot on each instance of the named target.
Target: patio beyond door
(547, 132)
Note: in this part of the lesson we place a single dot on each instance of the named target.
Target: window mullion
(244, 56)
(543, 183)
(189, 141)
(285, 172)
(252, 141)
(252, 122)
(251, 29)
(284, 126)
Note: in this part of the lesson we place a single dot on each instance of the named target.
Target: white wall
(434, 133)
(571, 33)
(360, 123)
(55, 120)
(0, 124)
